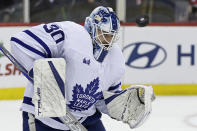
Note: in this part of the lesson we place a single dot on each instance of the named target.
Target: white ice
(170, 113)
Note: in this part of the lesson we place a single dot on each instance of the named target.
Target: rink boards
(17, 93)
(161, 56)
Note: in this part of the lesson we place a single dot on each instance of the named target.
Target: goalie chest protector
(86, 77)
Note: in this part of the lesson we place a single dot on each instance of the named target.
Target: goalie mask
(103, 26)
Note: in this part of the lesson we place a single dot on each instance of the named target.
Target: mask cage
(107, 44)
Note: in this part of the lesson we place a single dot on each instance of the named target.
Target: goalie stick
(69, 119)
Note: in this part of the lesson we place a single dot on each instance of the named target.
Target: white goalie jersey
(86, 78)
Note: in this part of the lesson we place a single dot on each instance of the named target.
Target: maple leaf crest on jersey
(82, 100)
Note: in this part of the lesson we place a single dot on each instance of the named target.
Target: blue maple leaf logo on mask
(104, 17)
(82, 100)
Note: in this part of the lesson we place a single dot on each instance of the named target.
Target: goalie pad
(132, 105)
(49, 92)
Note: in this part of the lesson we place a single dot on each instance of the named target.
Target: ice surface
(170, 113)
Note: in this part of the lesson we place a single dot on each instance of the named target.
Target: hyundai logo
(143, 55)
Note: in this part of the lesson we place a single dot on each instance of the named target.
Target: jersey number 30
(56, 33)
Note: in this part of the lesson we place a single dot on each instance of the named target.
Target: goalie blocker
(131, 106)
(49, 92)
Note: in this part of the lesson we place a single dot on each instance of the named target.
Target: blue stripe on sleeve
(114, 87)
(27, 100)
(42, 43)
(109, 99)
(57, 78)
(28, 47)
